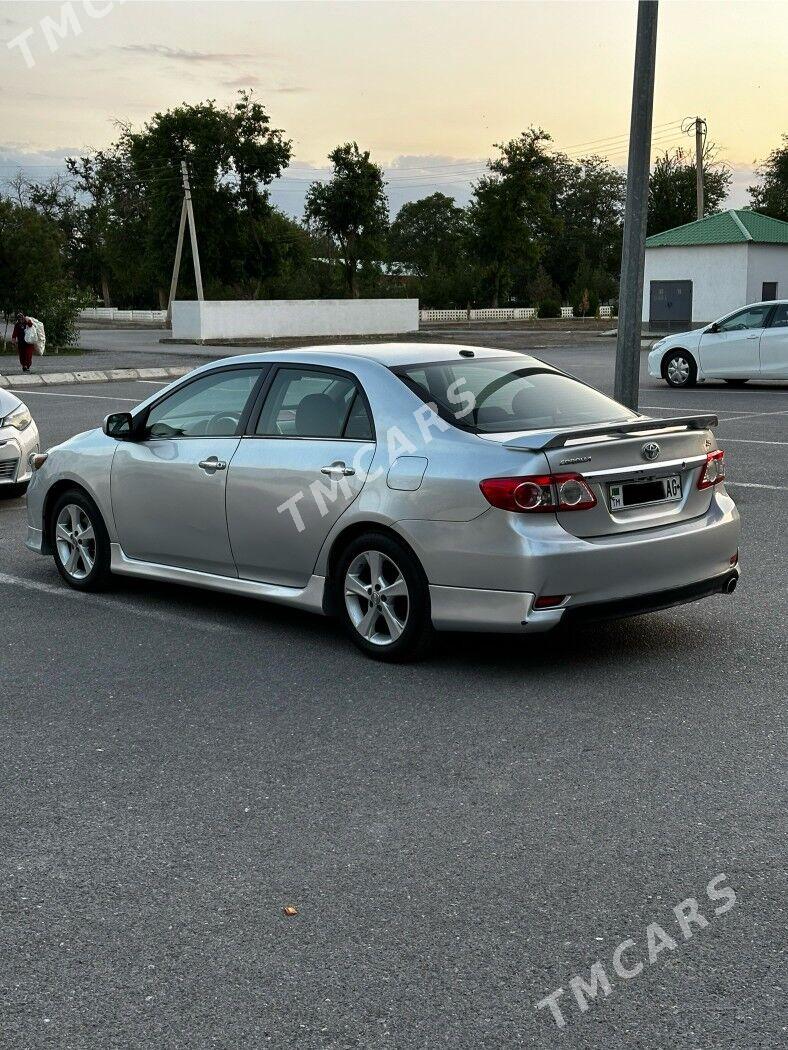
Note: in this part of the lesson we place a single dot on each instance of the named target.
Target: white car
(18, 441)
(751, 343)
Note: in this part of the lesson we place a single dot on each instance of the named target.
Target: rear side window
(303, 403)
(780, 319)
(497, 397)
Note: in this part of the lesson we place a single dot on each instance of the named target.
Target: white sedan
(751, 343)
(18, 441)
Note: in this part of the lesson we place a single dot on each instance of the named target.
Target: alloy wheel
(678, 370)
(76, 541)
(376, 598)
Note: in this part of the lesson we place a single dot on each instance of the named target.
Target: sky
(428, 87)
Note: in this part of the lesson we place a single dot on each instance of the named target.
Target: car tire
(736, 382)
(679, 369)
(13, 491)
(382, 598)
(79, 541)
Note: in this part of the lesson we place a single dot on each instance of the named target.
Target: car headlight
(20, 419)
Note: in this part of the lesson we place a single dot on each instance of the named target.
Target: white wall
(767, 262)
(718, 273)
(280, 318)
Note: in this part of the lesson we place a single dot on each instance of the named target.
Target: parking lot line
(750, 441)
(754, 485)
(757, 415)
(715, 411)
(56, 393)
(121, 606)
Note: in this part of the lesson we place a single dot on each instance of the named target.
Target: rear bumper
(494, 586)
(646, 603)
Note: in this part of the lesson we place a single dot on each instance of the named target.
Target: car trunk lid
(643, 473)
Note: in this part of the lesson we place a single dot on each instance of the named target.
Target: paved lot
(461, 837)
(105, 348)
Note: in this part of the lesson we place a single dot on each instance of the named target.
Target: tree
(770, 196)
(34, 278)
(585, 243)
(672, 198)
(510, 212)
(351, 210)
(429, 239)
(428, 233)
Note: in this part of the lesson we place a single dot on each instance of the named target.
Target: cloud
(251, 80)
(182, 54)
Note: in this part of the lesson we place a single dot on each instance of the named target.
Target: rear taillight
(714, 470)
(539, 493)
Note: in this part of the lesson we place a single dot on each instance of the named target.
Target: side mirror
(119, 425)
(714, 327)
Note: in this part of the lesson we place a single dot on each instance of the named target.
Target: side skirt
(309, 597)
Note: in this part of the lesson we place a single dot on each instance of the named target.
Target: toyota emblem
(650, 450)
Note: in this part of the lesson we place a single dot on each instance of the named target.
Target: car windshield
(497, 396)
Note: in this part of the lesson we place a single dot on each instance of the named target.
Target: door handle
(212, 464)
(338, 470)
(753, 337)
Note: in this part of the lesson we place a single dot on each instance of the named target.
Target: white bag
(36, 335)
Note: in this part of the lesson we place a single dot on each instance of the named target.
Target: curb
(111, 375)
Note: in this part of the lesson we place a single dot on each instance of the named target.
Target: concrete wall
(281, 318)
(718, 273)
(767, 262)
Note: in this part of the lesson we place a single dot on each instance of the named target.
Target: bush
(58, 307)
(549, 308)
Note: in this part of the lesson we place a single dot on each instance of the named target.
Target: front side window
(211, 406)
(498, 396)
(304, 403)
(752, 317)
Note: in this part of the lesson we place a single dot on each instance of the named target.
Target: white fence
(109, 313)
(505, 313)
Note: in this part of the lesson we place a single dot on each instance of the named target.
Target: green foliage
(510, 214)
(549, 308)
(351, 210)
(672, 199)
(428, 244)
(770, 196)
(34, 278)
(588, 210)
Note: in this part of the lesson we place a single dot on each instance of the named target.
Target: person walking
(24, 347)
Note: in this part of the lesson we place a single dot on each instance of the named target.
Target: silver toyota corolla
(402, 488)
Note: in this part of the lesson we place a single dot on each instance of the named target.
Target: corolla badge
(650, 450)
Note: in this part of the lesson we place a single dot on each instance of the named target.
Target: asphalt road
(460, 837)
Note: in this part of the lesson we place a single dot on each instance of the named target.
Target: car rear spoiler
(542, 440)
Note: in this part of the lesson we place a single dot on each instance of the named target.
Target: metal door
(670, 304)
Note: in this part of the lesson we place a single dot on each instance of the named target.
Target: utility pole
(700, 135)
(630, 305)
(187, 213)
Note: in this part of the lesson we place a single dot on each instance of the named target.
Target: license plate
(625, 494)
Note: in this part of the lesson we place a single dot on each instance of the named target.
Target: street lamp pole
(630, 302)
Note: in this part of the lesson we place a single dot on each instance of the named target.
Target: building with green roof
(700, 271)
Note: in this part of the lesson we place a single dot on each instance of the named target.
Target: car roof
(389, 354)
